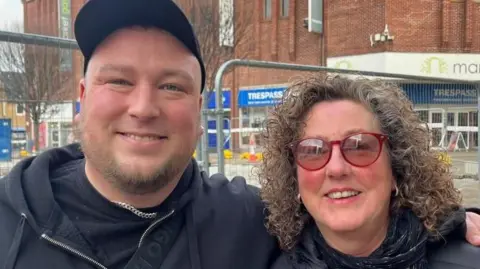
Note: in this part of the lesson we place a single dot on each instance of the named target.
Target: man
(132, 197)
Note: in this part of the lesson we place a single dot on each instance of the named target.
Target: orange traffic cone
(252, 157)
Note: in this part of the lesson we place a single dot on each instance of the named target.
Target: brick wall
(41, 17)
(418, 26)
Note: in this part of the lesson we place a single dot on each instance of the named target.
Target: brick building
(55, 18)
(438, 38)
(429, 37)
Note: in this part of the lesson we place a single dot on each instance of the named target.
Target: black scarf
(403, 248)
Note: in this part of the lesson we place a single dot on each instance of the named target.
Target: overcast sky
(11, 12)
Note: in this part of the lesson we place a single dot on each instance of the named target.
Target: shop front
(449, 109)
(254, 105)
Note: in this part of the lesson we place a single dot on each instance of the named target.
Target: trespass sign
(260, 97)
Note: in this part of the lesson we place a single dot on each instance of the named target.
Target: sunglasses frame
(380, 137)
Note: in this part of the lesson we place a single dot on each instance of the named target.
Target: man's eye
(170, 87)
(119, 82)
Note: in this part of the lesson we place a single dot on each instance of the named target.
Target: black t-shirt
(112, 232)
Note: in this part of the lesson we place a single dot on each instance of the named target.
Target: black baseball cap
(97, 19)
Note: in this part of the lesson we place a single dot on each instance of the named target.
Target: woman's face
(342, 197)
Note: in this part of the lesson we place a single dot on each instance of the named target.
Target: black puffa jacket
(224, 223)
(450, 252)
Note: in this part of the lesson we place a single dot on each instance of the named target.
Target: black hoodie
(222, 222)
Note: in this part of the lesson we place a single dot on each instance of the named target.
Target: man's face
(140, 109)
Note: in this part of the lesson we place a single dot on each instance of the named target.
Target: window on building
(284, 5)
(423, 115)
(462, 119)
(20, 109)
(450, 119)
(251, 119)
(472, 118)
(226, 23)
(267, 9)
(436, 117)
(473, 143)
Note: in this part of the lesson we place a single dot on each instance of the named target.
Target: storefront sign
(260, 97)
(65, 29)
(443, 65)
(459, 94)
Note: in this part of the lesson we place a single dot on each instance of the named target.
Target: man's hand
(473, 228)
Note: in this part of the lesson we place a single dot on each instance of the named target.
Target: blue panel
(455, 94)
(212, 103)
(212, 138)
(418, 93)
(260, 97)
(77, 107)
(5, 140)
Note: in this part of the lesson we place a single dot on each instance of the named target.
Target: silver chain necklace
(136, 211)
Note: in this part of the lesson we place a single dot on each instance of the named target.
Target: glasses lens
(312, 153)
(361, 149)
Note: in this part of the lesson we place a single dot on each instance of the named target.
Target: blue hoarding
(260, 97)
(212, 102)
(424, 93)
(212, 137)
(77, 107)
(5, 140)
(418, 93)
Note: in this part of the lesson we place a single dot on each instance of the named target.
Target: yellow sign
(431, 62)
(344, 64)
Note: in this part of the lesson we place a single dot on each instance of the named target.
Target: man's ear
(82, 89)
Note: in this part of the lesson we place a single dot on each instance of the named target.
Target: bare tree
(222, 33)
(33, 79)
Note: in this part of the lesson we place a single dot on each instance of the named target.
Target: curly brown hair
(424, 181)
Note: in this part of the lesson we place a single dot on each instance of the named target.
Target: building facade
(437, 38)
(55, 18)
(423, 38)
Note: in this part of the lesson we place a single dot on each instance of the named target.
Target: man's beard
(132, 181)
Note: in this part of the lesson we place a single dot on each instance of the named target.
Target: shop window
(423, 115)
(436, 117)
(451, 119)
(252, 118)
(436, 136)
(473, 143)
(462, 119)
(472, 118)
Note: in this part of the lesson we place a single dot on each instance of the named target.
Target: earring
(396, 190)
(299, 198)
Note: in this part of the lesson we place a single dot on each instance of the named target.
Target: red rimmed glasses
(360, 150)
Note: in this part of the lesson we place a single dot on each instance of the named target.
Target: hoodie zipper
(155, 223)
(94, 262)
(72, 250)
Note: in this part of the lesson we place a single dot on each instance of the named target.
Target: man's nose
(143, 103)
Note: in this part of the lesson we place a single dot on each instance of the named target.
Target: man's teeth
(342, 194)
(142, 138)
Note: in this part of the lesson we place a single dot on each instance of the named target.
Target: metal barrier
(218, 112)
(438, 118)
(38, 86)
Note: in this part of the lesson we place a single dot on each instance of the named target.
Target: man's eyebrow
(115, 68)
(170, 72)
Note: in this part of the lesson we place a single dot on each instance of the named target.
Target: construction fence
(38, 95)
(448, 107)
(39, 78)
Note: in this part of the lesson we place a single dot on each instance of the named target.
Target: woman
(349, 181)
